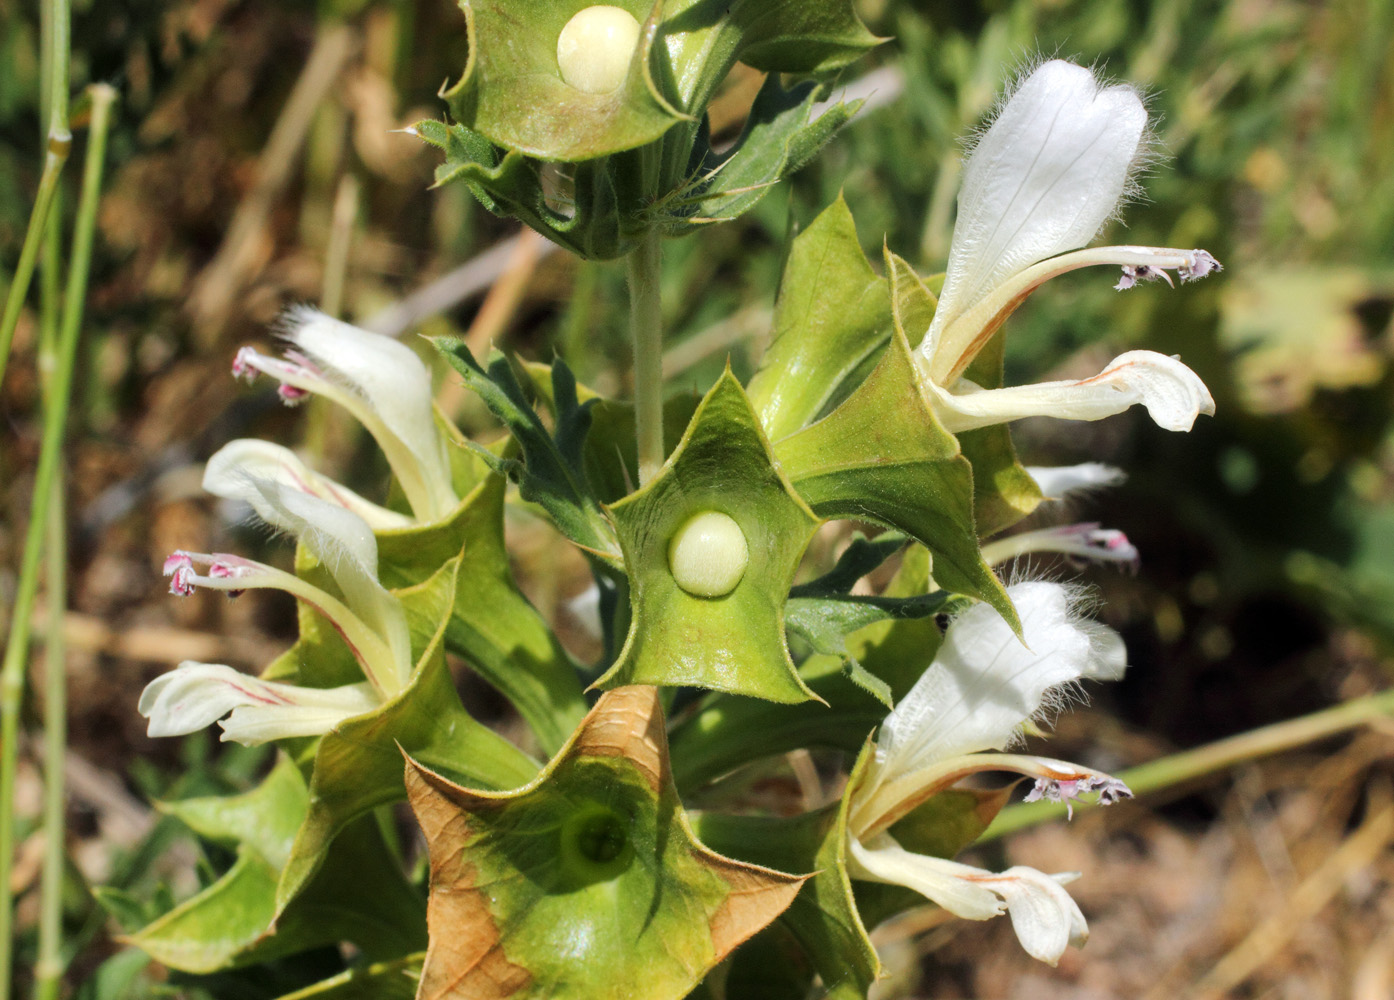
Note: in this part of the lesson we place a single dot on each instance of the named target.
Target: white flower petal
(1058, 482)
(396, 387)
(937, 879)
(195, 695)
(1042, 180)
(344, 543)
(984, 682)
(983, 685)
(1173, 394)
(1045, 917)
(228, 472)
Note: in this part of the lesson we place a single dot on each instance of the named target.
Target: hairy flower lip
(230, 470)
(380, 381)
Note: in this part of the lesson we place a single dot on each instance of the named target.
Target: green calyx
(560, 81)
(699, 622)
(587, 881)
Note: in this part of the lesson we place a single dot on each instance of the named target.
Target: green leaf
(832, 315)
(492, 625)
(778, 139)
(550, 473)
(264, 819)
(825, 622)
(728, 732)
(734, 642)
(831, 915)
(588, 882)
(882, 456)
(394, 980)
(610, 455)
(509, 184)
(357, 765)
(823, 919)
(359, 896)
(801, 36)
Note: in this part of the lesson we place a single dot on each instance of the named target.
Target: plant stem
(56, 31)
(48, 968)
(57, 154)
(45, 478)
(1191, 764)
(646, 328)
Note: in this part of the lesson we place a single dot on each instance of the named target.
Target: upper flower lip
(381, 382)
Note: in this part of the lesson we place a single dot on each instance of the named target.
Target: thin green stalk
(58, 147)
(56, 26)
(1191, 764)
(646, 327)
(48, 968)
(50, 458)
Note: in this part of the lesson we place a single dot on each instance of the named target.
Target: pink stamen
(243, 364)
(180, 580)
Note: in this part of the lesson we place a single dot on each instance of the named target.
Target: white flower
(381, 382)
(370, 619)
(230, 469)
(983, 688)
(195, 695)
(1087, 541)
(1041, 182)
(1059, 481)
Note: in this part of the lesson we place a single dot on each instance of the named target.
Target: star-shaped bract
(734, 642)
(586, 882)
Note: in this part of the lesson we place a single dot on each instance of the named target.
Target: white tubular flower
(1045, 918)
(1087, 541)
(1041, 182)
(983, 688)
(381, 382)
(229, 471)
(195, 695)
(1173, 394)
(1060, 481)
(369, 618)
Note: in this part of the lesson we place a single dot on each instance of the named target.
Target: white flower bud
(708, 555)
(595, 48)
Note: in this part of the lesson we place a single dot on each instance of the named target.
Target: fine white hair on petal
(985, 682)
(1058, 482)
(230, 471)
(1172, 394)
(1042, 179)
(387, 374)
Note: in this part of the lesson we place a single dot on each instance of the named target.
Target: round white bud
(708, 555)
(595, 48)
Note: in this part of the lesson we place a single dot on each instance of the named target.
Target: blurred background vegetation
(256, 163)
